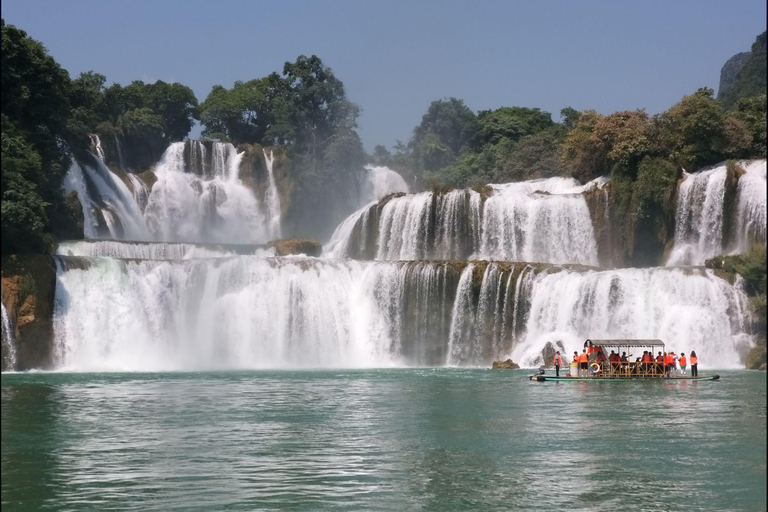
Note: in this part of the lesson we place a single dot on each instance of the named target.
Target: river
(388, 439)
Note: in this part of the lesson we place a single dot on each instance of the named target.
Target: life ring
(594, 368)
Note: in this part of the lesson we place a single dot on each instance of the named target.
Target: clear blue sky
(395, 57)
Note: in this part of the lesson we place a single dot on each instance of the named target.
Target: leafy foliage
(446, 129)
(697, 131)
(35, 111)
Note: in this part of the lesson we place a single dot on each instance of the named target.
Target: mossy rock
(505, 365)
(148, 177)
(28, 292)
(756, 358)
(291, 246)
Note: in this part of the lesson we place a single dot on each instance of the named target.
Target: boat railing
(607, 369)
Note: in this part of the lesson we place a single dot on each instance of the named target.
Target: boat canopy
(627, 343)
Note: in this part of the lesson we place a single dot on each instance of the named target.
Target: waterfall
(339, 245)
(751, 206)
(541, 220)
(462, 317)
(689, 310)
(140, 191)
(120, 158)
(209, 204)
(254, 312)
(379, 181)
(272, 199)
(118, 201)
(113, 201)
(74, 181)
(157, 250)
(96, 141)
(699, 218)
(9, 344)
(407, 231)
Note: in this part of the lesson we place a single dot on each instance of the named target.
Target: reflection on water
(399, 439)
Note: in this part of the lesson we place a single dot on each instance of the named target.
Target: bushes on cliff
(751, 266)
(751, 78)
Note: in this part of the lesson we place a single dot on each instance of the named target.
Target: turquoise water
(395, 439)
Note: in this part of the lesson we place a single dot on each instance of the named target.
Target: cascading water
(74, 181)
(140, 191)
(407, 232)
(9, 344)
(340, 244)
(699, 218)
(751, 206)
(113, 202)
(250, 312)
(96, 141)
(690, 310)
(214, 207)
(379, 181)
(542, 220)
(157, 250)
(272, 198)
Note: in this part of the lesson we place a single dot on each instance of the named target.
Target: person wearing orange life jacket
(669, 360)
(583, 362)
(694, 364)
(683, 363)
(558, 362)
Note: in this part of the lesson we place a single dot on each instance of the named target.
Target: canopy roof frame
(628, 343)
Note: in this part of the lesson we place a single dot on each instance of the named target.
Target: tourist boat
(621, 370)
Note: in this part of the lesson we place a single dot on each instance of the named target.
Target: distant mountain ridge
(744, 74)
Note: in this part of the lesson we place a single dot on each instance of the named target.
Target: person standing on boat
(584, 363)
(683, 363)
(694, 364)
(558, 362)
(670, 362)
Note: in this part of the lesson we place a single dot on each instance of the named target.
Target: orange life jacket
(646, 358)
(558, 361)
(682, 361)
(583, 357)
(694, 360)
(670, 360)
(575, 358)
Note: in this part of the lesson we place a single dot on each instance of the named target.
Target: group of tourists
(593, 360)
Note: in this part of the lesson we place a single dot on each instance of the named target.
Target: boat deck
(548, 378)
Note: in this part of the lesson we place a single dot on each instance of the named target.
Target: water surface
(394, 439)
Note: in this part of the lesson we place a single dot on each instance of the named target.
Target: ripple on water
(394, 439)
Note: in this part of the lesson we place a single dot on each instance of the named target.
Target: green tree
(582, 153)
(446, 129)
(86, 97)
(534, 156)
(23, 210)
(695, 132)
(511, 123)
(570, 117)
(381, 155)
(35, 114)
(752, 111)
